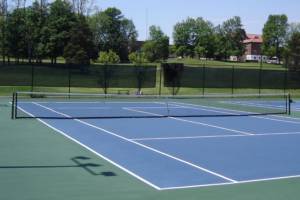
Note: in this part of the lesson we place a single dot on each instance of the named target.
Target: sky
(166, 13)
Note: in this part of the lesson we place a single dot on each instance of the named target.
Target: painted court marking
(193, 122)
(218, 110)
(142, 179)
(144, 146)
(214, 136)
(259, 105)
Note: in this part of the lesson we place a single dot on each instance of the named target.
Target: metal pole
(260, 75)
(290, 102)
(16, 106)
(32, 77)
(232, 80)
(160, 79)
(285, 79)
(69, 79)
(13, 106)
(203, 79)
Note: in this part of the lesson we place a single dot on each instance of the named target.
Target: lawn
(215, 63)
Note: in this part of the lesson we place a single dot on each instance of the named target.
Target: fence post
(69, 78)
(285, 79)
(160, 68)
(32, 77)
(13, 106)
(203, 79)
(289, 104)
(232, 80)
(260, 78)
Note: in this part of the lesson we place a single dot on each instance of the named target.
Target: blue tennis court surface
(178, 152)
(267, 104)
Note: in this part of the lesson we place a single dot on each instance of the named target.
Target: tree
(109, 57)
(60, 22)
(193, 33)
(137, 57)
(184, 37)
(293, 50)
(3, 27)
(230, 36)
(292, 28)
(157, 47)
(36, 19)
(204, 31)
(80, 48)
(16, 40)
(200, 51)
(112, 31)
(81, 7)
(274, 35)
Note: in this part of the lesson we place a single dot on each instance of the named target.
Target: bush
(108, 57)
(137, 58)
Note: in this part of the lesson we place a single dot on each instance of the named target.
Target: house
(253, 50)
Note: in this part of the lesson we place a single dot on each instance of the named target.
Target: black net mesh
(172, 77)
(75, 105)
(15, 75)
(93, 76)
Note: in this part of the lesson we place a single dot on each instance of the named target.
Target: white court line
(92, 102)
(286, 117)
(145, 107)
(217, 110)
(259, 105)
(93, 151)
(253, 104)
(193, 122)
(83, 108)
(240, 182)
(214, 136)
(142, 145)
(149, 183)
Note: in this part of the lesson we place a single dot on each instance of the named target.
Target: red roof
(253, 38)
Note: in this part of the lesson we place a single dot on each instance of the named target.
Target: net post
(13, 106)
(168, 109)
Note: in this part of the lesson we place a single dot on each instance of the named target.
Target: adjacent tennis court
(177, 142)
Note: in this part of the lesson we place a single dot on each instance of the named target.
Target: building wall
(253, 52)
(253, 49)
(256, 58)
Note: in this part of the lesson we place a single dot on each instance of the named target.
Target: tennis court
(182, 142)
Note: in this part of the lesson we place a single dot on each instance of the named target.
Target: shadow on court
(80, 162)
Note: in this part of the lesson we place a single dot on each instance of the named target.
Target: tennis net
(76, 106)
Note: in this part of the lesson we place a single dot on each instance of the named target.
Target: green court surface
(38, 163)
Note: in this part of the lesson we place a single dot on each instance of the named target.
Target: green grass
(215, 63)
(191, 61)
(36, 163)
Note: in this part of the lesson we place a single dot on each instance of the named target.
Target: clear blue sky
(166, 13)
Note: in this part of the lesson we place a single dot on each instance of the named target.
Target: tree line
(65, 28)
(200, 38)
